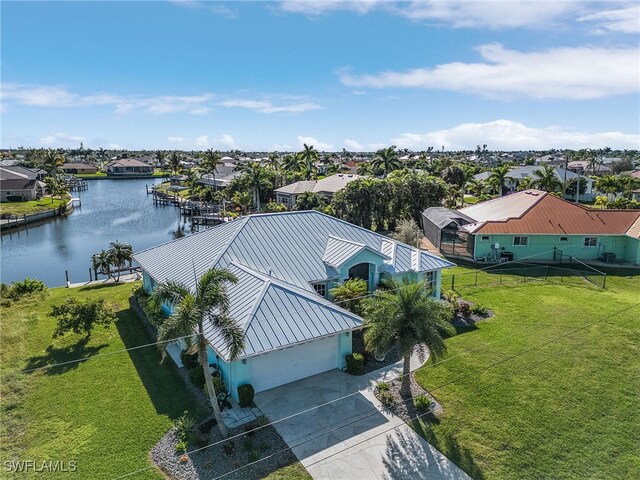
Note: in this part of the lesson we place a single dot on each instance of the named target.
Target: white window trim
(482, 238)
(520, 245)
(584, 242)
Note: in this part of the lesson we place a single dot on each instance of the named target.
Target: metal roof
(330, 184)
(441, 216)
(275, 315)
(502, 208)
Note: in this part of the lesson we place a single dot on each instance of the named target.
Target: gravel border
(406, 410)
(211, 462)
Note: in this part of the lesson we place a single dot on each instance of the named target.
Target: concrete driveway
(352, 437)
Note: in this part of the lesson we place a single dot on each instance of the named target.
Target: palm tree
(386, 159)
(609, 185)
(258, 178)
(211, 160)
(52, 160)
(477, 187)
(160, 158)
(275, 164)
(119, 255)
(545, 178)
(291, 163)
(243, 199)
(174, 163)
(365, 169)
(102, 155)
(210, 303)
(350, 294)
(525, 184)
(101, 263)
(404, 315)
(498, 178)
(307, 159)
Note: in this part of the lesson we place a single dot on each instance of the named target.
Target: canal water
(111, 210)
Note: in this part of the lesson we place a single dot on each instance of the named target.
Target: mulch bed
(214, 461)
(405, 409)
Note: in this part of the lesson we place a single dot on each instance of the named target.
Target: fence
(510, 274)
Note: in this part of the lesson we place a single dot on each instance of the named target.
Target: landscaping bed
(407, 409)
(236, 453)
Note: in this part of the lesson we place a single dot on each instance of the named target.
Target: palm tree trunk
(405, 386)
(213, 398)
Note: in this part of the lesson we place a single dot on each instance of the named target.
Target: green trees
(117, 255)
(545, 178)
(159, 156)
(498, 179)
(211, 160)
(208, 302)
(365, 169)
(407, 231)
(257, 178)
(52, 160)
(81, 316)
(307, 159)
(308, 201)
(406, 316)
(174, 163)
(349, 294)
(386, 159)
(368, 201)
(56, 187)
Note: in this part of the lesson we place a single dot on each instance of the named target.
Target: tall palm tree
(499, 177)
(174, 163)
(258, 178)
(275, 164)
(477, 187)
(386, 159)
(211, 160)
(545, 178)
(209, 302)
(307, 158)
(101, 263)
(52, 160)
(365, 169)
(159, 155)
(243, 199)
(404, 315)
(291, 163)
(119, 255)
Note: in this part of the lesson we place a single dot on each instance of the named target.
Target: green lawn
(565, 410)
(90, 175)
(105, 413)
(32, 206)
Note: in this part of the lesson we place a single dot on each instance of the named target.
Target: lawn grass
(567, 409)
(105, 413)
(90, 175)
(32, 206)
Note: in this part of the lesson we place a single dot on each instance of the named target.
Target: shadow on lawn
(59, 355)
(162, 381)
(449, 445)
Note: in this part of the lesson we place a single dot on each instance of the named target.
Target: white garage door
(284, 366)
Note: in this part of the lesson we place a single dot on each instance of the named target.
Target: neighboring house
(286, 264)
(441, 226)
(75, 168)
(581, 167)
(537, 225)
(551, 159)
(635, 174)
(635, 194)
(528, 171)
(20, 184)
(224, 174)
(326, 188)
(128, 166)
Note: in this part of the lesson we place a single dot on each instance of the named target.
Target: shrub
(218, 384)
(264, 446)
(184, 425)
(386, 397)
(463, 307)
(423, 402)
(355, 364)
(384, 386)
(247, 444)
(24, 287)
(190, 361)
(450, 296)
(245, 395)
(253, 456)
(261, 421)
(81, 316)
(273, 207)
(196, 375)
(479, 310)
(181, 446)
(228, 448)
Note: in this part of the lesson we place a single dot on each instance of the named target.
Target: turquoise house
(286, 264)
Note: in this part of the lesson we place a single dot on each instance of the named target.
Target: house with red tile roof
(539, 226)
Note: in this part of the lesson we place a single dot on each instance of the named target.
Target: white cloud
(225, 140)
(266, 106)
(456, 13)
(353, 145)
(282, 147)
(61, 97)
(213, 7)
(202, 141)
(563, 73)
(178, 140)
(625, 19)
(510, 135)
(56, 139)
(321, 146)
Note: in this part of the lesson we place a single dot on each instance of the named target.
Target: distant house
(286, 265)
(224, 174)
(326, 188)
(128, 166)
(581, 167)
(75, 168)
(539, 226)
(517, 174)
(20, 184)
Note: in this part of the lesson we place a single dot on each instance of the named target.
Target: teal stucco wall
(540, 247)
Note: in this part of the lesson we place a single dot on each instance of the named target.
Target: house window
(520, 241)
(564, 239)
(485, 238)
(590, 241)
(321, 289)
(429, 279)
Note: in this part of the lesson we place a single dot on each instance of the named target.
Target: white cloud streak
(625, 20)
(321, 146)
(266, 106)
(511, 135)
(571, 73)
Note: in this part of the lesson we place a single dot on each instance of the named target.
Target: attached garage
(294, 363)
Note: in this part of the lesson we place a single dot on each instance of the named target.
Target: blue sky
(355, 75)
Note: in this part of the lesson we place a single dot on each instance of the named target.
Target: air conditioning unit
(609, 257)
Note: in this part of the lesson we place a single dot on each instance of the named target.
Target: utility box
(609, 257)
